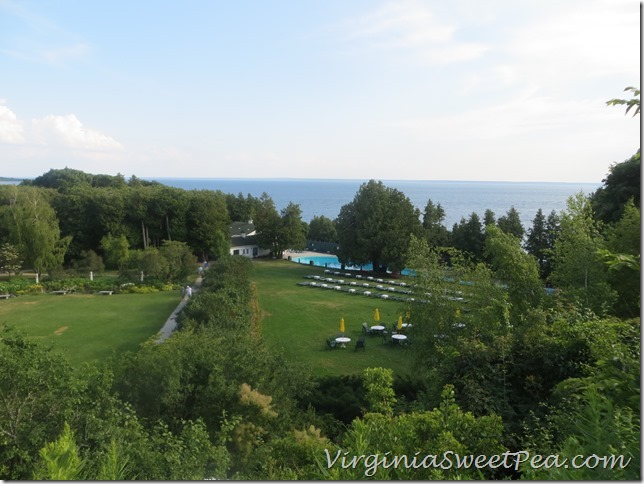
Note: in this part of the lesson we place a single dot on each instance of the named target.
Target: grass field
(299, 319)
(295, 319)
(89, 327)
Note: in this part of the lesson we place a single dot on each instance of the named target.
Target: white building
(243, 240)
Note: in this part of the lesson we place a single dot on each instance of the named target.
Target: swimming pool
(329, 261)
(332, 262)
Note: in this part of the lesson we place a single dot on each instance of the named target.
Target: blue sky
(357, 89)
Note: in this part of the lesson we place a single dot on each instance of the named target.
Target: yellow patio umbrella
(376, 315)
(342, 325)
(399, 322)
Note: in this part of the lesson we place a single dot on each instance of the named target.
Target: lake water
(458, 198)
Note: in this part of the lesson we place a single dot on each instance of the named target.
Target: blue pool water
(329, 261)
(332, 262)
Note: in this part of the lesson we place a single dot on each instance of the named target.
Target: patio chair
(331, 344)
(365, 328)
(360, 343)
(386, 338)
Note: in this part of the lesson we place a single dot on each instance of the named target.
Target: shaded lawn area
(299, 319)
(87, 327)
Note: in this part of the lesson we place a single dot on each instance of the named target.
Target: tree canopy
(375, 227)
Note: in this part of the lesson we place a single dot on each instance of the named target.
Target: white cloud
(410, 25)
(68, 131)
(581, 39)
(526, 138)
(11, 130)
(568, 44)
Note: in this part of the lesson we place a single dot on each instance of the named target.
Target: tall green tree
(468, 236)
(540, 242)
(208, 221)
(181, 260)
(510, 223)
(322, 229)
(623, 240)
(623, 183)
(292, 230)
(577, 268)
(489, 218)
(116, 250)
(515, 268)
(375, 227)
(433, 223)
(462, 327)
(267, 224)
(34, 228)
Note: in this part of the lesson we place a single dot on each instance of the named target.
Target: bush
(19, 286)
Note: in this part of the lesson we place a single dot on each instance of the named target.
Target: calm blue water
(458, 198)
(332, 262)
(328, 261)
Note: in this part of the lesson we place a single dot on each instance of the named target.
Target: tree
(62, 179)
(433, 219)
(515, 268)
(620, 185)
(208, 221)
(37, 390)
(510, 223)
(462, 327)
(60, 460)
(9, 258)
(181, 261)
(35, 230)
(379, 392)
(623, 181)
(268, 224)
(469, 237)
(322, 229)
(384, 439)
(577, 268)
(536, 243)
(375, 227)
(293, 230)
(634, 102)
(489, 218)
(622, 254)
(90, 261)
(116, 250)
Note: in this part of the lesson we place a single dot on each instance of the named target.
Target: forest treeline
(70, 220)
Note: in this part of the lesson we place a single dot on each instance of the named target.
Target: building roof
(241, 229)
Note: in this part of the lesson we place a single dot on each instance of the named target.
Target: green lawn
(299, 319)
(89, 327)
(295, 319)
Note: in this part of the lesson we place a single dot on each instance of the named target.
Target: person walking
(188, 292)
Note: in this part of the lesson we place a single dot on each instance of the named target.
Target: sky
(485, 90)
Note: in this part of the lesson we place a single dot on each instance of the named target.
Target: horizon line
(158, 178)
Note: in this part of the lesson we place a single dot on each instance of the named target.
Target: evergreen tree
(433, 223)
(510, 223)
(469, 237)
(536, 243)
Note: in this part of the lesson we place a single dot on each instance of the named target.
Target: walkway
(171, 324)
